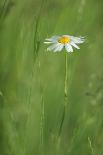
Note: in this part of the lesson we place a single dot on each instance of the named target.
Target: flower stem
(65, 93)
(66, 79)
(42, 117)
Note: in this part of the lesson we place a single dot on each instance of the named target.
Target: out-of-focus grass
(32, 80)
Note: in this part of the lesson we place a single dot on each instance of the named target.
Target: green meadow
(33, 117)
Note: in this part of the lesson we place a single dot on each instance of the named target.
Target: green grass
(32, 80)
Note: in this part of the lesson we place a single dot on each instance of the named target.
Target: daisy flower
(64, 41)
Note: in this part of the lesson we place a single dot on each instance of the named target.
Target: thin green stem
(42, 117)
(66, 79)
(65, 93)
(42, 126)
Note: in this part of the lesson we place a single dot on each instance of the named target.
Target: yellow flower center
(64, 40)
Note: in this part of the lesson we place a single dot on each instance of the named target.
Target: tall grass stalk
(90, 145)
(36, 47)
(2, 10)
(36, 43)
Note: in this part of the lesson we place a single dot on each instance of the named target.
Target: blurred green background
(32, 79)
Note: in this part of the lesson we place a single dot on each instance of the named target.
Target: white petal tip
(47, 42)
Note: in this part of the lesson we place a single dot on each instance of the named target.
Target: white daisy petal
(59, 48)
(68, 47)
(73, 44)
(47, 42)
(77, 40)
(52, 47)
(52, 39)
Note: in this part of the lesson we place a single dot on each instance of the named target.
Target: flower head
(64, 41)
